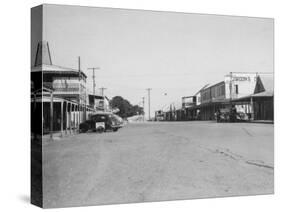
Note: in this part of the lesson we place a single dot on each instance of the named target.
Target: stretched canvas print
(131, 106)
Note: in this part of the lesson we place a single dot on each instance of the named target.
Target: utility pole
(148, 91)
(102, 90)
(94, 82)
(143, 109)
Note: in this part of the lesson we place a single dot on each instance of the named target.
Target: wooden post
(70, 118)
(76, 118)
(61, 119)
(73, 121)
(51, 116)
(252, 112)
(65, 117)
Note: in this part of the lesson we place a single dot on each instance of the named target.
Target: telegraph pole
(148, 91)
(102, 90)
(94, 82)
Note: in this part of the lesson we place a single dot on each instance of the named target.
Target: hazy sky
(173, 53)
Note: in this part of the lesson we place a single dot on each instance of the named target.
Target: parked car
(223, 115)
(240, 116)
(102, 122)
(230, 115)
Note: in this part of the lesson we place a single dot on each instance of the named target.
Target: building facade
(61, 92)
(98, 103)
(234, 90)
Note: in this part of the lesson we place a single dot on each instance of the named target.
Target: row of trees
(126, 109)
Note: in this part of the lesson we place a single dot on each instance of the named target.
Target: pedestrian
(218, 115)
(233, 113)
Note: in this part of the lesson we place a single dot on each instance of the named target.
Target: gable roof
(268, 82)
(265, 82)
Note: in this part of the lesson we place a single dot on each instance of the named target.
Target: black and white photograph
(133, 106)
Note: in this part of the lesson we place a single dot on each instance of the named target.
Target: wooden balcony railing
(64, 87)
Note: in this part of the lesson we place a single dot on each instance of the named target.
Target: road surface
(159, 161)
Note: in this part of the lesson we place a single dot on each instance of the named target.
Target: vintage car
(223, 115)
(240, 116)
(229, 115)
(102, 122)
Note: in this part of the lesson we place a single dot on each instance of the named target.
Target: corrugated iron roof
(211, 85)
(55, 69)
(263, 94)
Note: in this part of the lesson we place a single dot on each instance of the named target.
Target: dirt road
(159, 161)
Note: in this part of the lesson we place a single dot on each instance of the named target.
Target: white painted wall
(246, 84)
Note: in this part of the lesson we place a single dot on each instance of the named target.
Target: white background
(14, 111)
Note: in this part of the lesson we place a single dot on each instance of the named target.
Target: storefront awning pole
(51, 116)
(252, 109)
(61, 123)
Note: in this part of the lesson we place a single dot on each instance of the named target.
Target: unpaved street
(159, 161)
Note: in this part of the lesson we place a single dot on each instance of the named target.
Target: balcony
(65, 88)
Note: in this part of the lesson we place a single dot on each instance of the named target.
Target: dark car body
(223, 115)
(102, 122)
(230, 115)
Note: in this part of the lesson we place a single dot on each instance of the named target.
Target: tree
(126, 109)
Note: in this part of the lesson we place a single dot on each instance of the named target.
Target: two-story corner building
(63, 92)
(240, 84)
(66, 83)
(222, 94)
(259, 104)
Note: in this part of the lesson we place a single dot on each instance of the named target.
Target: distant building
(159, 115)
(171, 111)
(98, 102)
(188, 108)
(250, 93)
(191, 106)
(198, 95)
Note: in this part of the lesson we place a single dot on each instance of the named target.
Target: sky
(173, 53)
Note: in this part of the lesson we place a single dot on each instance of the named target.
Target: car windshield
(118, 118)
